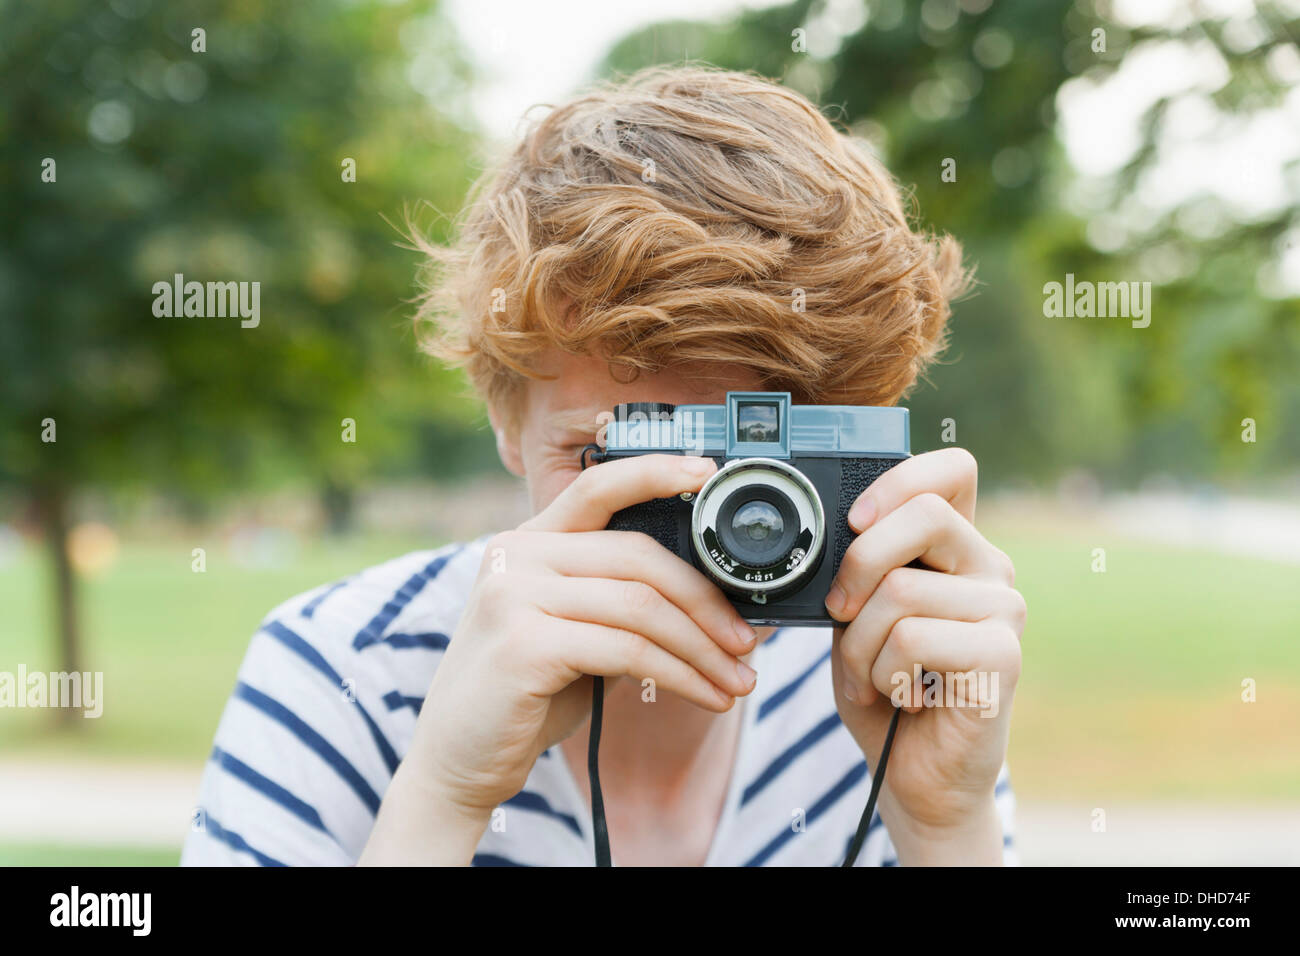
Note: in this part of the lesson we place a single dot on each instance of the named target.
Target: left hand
(959, 618)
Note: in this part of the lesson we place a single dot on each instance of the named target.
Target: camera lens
(757, 524)
(757, 521)
(757, 527)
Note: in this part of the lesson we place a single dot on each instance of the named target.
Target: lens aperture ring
(729, 540)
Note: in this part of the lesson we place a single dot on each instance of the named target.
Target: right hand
(558, 599)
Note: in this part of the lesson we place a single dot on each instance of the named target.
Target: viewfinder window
(757, 422)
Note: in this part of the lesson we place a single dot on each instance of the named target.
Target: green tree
(971, 89)
(216, 140)
(1225, 344)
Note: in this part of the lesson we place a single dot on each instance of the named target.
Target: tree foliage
(220, 164)
(978, 85)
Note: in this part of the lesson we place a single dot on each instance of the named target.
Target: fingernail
(850, 692)
(836, 599)
(862, 514)
(697, 464)
(745, 673)
(746, 633)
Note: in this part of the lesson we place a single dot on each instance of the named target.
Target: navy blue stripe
(491, 859)
(309, 609)
(789, 756)
(395, 701)
(233, 840)
(832, 796)
(313, 657)
(269, 789)
(1001, 788)
(318, 744)
(430, 641)
(527, 800)
(788, 691)
(374, 630)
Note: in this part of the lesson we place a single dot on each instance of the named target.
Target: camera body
(770, 526)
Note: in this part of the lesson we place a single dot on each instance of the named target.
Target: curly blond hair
(687, 215)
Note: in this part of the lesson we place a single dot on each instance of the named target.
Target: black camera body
(770, 526)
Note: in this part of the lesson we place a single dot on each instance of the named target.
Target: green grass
(1132, 679)
(54, 855)
(168, 640)
(1131, 685)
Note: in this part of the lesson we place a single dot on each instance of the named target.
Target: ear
(507, 434)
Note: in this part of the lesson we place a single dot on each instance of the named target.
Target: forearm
(418, 825)
(976, 840)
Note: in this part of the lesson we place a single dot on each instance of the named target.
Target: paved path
(1174, 834)
(126, 804)
(85, 803)
(1230, 524)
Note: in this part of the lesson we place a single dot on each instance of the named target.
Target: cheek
(548, 479)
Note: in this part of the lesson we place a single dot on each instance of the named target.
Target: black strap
(599, 831)
(877, 780)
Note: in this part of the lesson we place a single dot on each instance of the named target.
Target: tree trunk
(339, 504)
(54, 521)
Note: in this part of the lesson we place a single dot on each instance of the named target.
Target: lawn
(1132, 680)
(55, 855)
(1131, 687)
(168, 640)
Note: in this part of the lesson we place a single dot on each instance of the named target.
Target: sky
(537, 51)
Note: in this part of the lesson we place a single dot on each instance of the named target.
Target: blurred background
(1141, 141)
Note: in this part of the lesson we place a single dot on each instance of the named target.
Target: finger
(591, 499)
(582, 648)
(638, 607)
(633, 556)
(951, 473)
(843, 679)
(918, 644)
(869, 716)
(925, 527)
(911, 592)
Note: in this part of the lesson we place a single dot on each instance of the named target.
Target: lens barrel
(757, 527)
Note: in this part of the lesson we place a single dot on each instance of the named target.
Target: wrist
(972, 838)
(422, 823)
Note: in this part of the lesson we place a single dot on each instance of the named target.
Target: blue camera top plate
(826, 430)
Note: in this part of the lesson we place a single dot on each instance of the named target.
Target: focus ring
(707, 539)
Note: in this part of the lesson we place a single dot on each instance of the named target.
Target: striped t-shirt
(325, 708)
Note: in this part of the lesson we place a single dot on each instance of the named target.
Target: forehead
(583, 387)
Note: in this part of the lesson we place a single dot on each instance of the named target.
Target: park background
(1167, 151)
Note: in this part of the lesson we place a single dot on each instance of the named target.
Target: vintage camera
(770, 527)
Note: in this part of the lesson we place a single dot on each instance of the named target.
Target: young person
(681, 234)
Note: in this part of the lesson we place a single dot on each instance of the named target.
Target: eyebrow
(585, 423)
